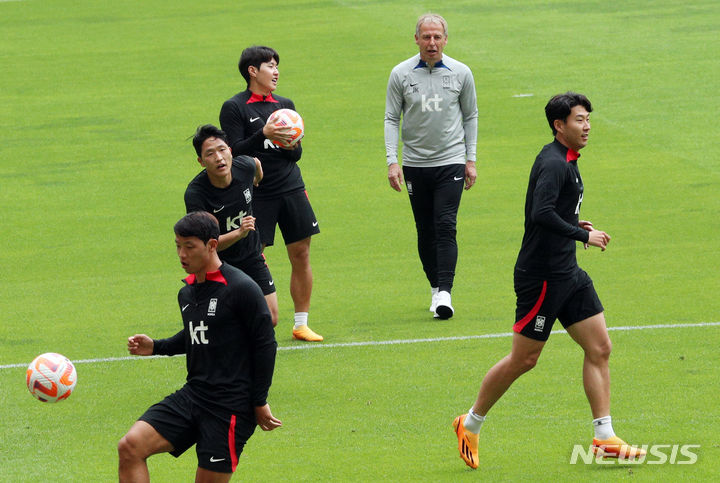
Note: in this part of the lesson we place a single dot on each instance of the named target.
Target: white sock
(433, 290)
(603, 428)
(473, 422)
(300, 319)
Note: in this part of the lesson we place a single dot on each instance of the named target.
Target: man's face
(431, 40)
(573, 132)
(266, 77)
(193, 253)
(216, 157)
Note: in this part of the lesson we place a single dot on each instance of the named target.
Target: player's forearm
(247, 145)
(551, 221)
(264, 364)
(230, 238)
(170, 346)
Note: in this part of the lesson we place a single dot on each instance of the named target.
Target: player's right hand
(140, 345)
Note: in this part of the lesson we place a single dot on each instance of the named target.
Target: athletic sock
(603, 428)
(301, 319)
(433, 290)
(473, 422)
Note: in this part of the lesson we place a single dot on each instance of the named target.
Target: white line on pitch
(484, 336)
(399, 341)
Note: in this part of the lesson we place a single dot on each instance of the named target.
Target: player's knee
(300, 262)
(524, 362)
(299, 254)
(605, 349)
(600, 351)
(529, 362)
(128, 449)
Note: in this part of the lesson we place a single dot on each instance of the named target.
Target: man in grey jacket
(435, 96)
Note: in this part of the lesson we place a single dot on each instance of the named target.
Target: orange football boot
(616, 448)
(467, 442)
(306, 333)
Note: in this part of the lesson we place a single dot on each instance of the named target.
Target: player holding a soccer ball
(280, 198)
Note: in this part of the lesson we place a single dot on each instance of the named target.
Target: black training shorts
(256, 268)
(291, 212)
(218, 433)
(540, 302)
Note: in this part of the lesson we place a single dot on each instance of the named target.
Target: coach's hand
(470, 174)
(265, 419)
(395, 177)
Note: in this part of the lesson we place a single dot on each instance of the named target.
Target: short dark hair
(199, 224)
(255, 55)
(559, 107)
(207, 131)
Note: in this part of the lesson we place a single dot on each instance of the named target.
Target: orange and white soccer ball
(51, 377)
(291, 119)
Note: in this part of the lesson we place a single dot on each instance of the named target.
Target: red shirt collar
(258, 98)
(215, 276)
(572, 155)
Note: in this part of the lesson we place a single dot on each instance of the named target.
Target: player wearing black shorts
(549, 284)
(280, 198)
(225, 189)
(230, 349)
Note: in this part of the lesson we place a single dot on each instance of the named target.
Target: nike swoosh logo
(272, 282)
(456, 178)
(184, 307)
(315, 224)
(215, 460)
(253, 119)
(219, 209)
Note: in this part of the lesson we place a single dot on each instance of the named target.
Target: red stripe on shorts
(520, 324)
(231, 443)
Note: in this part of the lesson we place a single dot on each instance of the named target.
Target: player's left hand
(246, 224)
(276, 132)
(598, 239)
(470, 174)
(265, 419)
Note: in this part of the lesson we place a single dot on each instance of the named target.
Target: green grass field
(97, 101)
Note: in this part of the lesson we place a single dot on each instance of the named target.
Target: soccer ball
(51, 377)
(291, 119)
